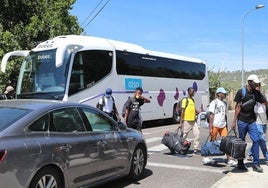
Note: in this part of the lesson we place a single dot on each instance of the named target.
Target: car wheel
(47, 177)
(138, 163)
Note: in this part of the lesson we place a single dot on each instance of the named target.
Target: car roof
(36, 104)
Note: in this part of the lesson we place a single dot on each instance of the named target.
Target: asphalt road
(173, 170)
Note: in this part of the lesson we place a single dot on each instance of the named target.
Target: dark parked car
(57, 144)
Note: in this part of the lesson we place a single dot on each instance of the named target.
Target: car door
(113, 153)
(74, 146)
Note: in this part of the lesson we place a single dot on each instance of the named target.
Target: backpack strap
(244, 92)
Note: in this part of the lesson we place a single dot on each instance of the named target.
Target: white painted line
(156, 149)
(153, 139)
(184, 167)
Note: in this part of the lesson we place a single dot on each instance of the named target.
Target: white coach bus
(80, 68)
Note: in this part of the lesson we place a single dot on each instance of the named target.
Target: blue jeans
(262, 140)
(251, 129)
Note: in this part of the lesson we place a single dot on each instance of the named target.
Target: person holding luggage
(245, 118)
(261, 121)
(107, 104)
(187, 120)
(218, 121)
(132, 115)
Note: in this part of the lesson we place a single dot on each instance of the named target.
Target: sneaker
(257, 168)
(206, 160)
(250, 157)
(232, 163)
(197, 152)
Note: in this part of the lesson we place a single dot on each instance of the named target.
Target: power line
(91, 13)
(97, 13)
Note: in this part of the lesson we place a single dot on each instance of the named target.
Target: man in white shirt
(218, 120)
(107, 104)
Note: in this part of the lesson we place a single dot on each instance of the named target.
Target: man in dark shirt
(133, 116)
(245, 118)
(8, 94)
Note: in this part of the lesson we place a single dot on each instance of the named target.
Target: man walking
(261, 122)
(187, 120)
(107, 104)
(132, 116)
(245, 118)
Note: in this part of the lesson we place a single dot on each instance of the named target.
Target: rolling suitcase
(175, 142)
(233, 146)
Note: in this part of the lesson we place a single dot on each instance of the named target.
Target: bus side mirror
(22, 53)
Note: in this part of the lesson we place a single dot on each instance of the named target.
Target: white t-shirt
(108, 104)
(219, 109)
(260, 110)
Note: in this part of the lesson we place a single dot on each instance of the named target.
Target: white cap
(254, 78)
(9, 89)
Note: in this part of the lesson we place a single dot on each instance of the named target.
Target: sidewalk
(236, 179)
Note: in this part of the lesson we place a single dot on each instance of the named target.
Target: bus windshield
(41, 78)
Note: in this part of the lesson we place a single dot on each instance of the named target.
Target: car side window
(98, 121)
(41, 124)
(68, 120)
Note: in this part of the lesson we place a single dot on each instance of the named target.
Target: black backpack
(179, 108)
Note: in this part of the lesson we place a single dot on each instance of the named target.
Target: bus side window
(89, 67)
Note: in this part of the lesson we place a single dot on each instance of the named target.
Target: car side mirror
(122, 126)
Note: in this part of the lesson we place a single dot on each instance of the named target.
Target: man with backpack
(107, 104)
(132, 109)
(187, 119)
(218, 121)
(245, 118)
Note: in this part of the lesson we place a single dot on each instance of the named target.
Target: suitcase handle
(179, 129)
(232, 131)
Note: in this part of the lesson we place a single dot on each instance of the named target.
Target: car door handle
(65, 147)
(130, 139)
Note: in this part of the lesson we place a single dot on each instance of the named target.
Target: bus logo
(132, 83)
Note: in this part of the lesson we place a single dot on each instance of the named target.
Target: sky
(210, 30)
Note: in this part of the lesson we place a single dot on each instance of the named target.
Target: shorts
(221, 131)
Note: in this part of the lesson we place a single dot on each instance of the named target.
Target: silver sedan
(56, 145)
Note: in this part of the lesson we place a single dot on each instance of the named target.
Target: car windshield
(10, 115)
(41, 78)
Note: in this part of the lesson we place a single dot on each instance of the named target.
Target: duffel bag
(211, 148)
(175, 142)
(233, 146)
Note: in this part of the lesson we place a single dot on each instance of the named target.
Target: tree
(24, 23)
(215, 81)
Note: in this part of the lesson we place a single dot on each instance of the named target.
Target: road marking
(156, 149)
(153, 139)
(162, 130)
(184, 167)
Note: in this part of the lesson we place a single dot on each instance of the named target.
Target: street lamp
(243, 33)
